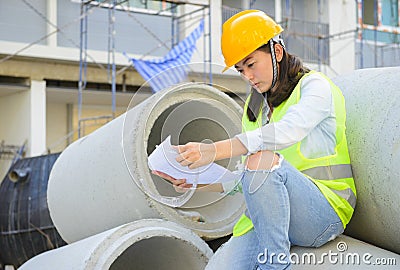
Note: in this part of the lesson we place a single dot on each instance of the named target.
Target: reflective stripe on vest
(332, 174)
(335, 172)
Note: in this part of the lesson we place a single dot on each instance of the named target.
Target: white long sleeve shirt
(311, 120)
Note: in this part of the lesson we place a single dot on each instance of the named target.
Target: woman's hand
(180, 185)
(195, 155)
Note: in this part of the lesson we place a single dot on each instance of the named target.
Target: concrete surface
(144, 244)
(102, 180)
(344, 253)
(373, 134)
(372, 102)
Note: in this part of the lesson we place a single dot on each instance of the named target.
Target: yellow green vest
(332, 174)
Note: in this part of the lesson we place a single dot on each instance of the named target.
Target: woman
(297, 181)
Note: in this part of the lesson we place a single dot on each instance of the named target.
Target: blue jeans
(286, 209)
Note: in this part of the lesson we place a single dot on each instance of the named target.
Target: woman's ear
(278, 52)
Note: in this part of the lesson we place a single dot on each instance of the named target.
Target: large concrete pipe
(102, 180)
(373, 132)
(143, 244)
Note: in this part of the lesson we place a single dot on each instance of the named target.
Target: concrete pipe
(102, 180)
(143, 244)
(343, 253)
(373, 132)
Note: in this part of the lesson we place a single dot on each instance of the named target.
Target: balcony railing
(228, 12)
(308, 40)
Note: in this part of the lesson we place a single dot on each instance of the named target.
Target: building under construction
(66, 61)
(67, 66)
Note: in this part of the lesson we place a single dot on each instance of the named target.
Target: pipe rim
(186, 92)
(108, 251)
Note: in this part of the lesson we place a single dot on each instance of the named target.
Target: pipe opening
(115, 183)
(19, 175)
(201, 120)
(160, 252)
(184, 131)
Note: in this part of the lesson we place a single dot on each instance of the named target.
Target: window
(390, 13)
(369, 12)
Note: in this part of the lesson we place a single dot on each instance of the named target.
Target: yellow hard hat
(245, 32)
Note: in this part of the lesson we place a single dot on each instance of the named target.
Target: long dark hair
(291, 70)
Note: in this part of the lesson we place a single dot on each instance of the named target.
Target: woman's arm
(195, 155)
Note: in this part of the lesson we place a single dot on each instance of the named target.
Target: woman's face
(257, 69)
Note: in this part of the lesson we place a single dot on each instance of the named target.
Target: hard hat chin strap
(274, 64)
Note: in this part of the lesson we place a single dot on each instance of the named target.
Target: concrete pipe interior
(159, 253)
(197, 126)
(143, 244)
(108, 180)
(196, 120)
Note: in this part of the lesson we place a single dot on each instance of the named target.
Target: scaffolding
(112, 6)
(313, 37)
(311, 41)
(11, 152)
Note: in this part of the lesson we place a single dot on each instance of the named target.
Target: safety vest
(332, 174)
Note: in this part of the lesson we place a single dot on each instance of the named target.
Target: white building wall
(14, 117)
(51, 13)
(342, 48)
(312, 11)
(14, 123)
(37, 120)
(56, 126)
(19, 107)
(216, 31)
(23, 119)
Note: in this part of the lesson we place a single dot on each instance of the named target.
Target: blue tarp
(172, 68)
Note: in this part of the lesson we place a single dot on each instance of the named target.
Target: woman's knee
(262, 160)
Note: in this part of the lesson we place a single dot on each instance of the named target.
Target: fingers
(175, 182)
(193, 155)
(179, 185)
(182, 188)
(188, 153)
(183, 161)
(179, 148)
(163, 175)
(184, 185)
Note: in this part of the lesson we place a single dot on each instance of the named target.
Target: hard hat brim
(225, 69)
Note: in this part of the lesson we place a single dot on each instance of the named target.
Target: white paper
(163, 160)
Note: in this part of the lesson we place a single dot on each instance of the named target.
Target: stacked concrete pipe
(143, 244)
(92, 189)
(102, 180)
(373, 133)
(372, 238)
